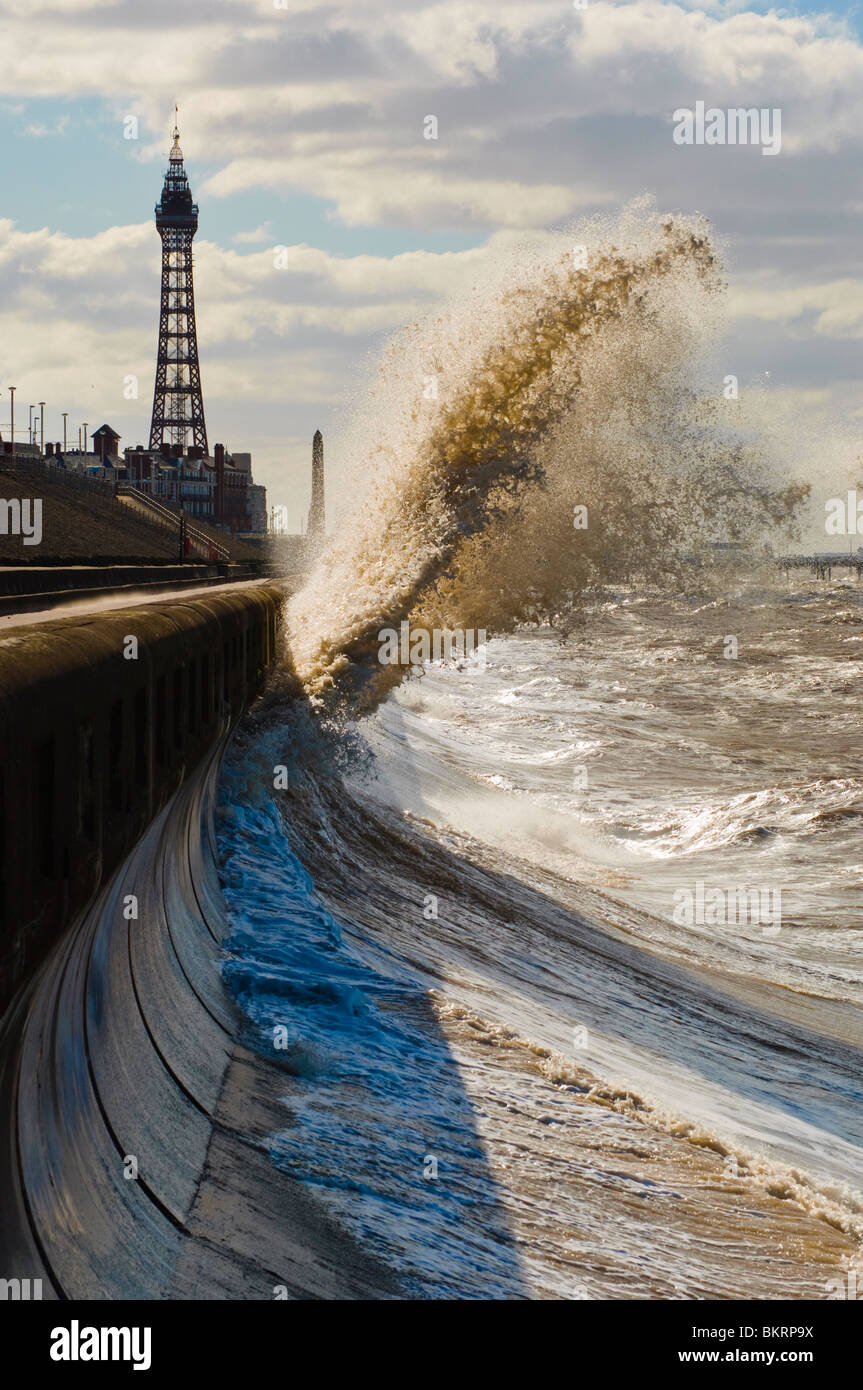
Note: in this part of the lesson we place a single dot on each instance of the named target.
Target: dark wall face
(94, 741)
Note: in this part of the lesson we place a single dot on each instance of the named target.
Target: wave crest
(561, 386)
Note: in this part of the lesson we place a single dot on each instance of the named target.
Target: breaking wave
(540, 439)
(507, 1070)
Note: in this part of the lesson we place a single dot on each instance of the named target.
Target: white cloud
(545, 112)
(262, 233)
(329, 99)
(835, 308)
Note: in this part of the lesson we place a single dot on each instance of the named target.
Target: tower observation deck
(178, 406)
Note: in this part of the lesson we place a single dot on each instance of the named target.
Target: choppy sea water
(516, 1065)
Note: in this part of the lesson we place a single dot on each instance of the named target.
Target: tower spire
(176, 155)
(178, 405)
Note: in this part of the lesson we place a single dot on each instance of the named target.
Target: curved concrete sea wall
(101, 718)
(134, 1158)
(112, 1066)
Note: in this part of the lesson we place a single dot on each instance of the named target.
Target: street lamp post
(42, 427)
(12, 390)
(85, 436)
(65, 418)
(30, 427)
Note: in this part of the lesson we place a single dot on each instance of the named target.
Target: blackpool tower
(178, 406)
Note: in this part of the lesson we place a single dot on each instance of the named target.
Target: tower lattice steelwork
(178, 405)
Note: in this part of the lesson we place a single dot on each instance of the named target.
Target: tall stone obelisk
(317, 515)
